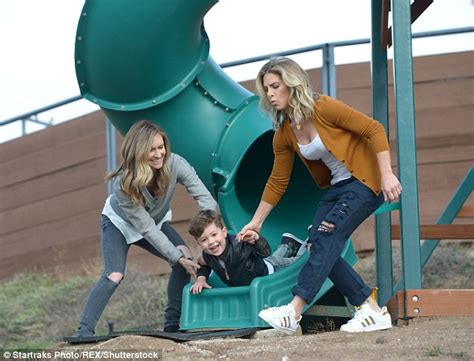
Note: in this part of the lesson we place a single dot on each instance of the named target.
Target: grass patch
(450, 266)
(435, 351)
(39, 309)
(459, 355)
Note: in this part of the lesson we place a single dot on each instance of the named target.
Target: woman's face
(277, 91)
(157, 152)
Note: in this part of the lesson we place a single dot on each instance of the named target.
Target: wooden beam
(417, 8)
(431, 302)
(440, 231)
(384, 29)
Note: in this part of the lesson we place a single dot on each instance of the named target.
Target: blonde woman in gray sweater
(138, 212)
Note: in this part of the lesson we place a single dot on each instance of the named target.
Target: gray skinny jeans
(114, 254)
(279, 259)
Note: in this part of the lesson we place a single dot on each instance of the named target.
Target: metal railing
(328, 72)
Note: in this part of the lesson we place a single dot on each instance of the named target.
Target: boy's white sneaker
(281, 318)
(366, 320)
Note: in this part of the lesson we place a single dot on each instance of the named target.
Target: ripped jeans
(344, 207)
(114, 253)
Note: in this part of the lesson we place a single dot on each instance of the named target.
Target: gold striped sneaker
(367, 320)
(281, 318)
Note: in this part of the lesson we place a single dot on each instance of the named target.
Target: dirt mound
(443, 338)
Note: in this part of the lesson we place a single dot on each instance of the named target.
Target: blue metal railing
(328, 78)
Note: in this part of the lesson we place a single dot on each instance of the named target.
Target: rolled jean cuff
(358, 298)
(301, 292)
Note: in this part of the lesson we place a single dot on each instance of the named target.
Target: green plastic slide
(150, 60)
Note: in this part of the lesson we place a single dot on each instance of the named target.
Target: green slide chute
(150, 60)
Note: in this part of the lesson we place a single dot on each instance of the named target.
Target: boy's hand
(197, 287)
(249, 236)
(189, 265)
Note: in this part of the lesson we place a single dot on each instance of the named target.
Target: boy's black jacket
(243, 262)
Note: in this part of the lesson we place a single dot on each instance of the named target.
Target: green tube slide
(150, 60)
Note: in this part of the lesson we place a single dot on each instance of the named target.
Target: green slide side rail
(237, 307)
(150, 60)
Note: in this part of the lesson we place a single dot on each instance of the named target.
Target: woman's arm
(276, 185)
(188, 177)
(257, 221)
(391, 186)
(343, 116)
(348, 118)
(141, 220)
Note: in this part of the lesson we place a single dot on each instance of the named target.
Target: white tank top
(316, 150)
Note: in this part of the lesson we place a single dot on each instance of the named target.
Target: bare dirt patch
(424, 338)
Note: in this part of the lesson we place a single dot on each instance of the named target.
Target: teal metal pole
(111, 150)
(454, 205)
(456, 202)
(405, 111)
(328, 71)
(383, 240)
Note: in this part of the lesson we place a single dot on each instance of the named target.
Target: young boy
(237, 263)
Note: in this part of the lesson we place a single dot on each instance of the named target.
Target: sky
(37, 43)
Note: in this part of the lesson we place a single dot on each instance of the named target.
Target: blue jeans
(279, 259)
(345, 206)
(114, 254)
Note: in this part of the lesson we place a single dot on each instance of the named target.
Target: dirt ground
(423, 338)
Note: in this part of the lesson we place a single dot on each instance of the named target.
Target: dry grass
(39, 309)
(451, 266)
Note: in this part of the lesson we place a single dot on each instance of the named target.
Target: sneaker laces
(285, 310)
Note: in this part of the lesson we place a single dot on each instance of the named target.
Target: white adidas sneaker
(281, 318)
(367, 320)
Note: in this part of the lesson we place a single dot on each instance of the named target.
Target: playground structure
(189, 91)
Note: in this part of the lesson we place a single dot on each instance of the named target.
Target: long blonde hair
(301, 96)
(135, 171)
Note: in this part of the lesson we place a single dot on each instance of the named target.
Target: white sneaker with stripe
(281, 318)
(367, 320)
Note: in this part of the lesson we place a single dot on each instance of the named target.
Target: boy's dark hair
(201, 220)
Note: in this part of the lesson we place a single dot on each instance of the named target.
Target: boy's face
(212, 240)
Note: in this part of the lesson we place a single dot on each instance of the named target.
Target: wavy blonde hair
(301, 95)
(135, 171)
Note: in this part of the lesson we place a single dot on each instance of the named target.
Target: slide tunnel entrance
(296, 209)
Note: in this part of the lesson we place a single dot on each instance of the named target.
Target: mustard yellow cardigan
(351, 136)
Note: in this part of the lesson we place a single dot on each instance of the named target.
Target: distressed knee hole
(326, 227)
(344, 208)
(115, 277)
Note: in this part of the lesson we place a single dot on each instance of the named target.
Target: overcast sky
(37, 42)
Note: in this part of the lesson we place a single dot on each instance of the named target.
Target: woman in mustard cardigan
(345, 151)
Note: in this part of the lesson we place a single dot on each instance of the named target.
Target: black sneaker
(171, 328)
(293, 242)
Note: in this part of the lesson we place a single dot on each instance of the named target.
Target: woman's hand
(250, 237)
(262, 212)
(248, 230)
(391, 187)
(199, 285)
(189, 265)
